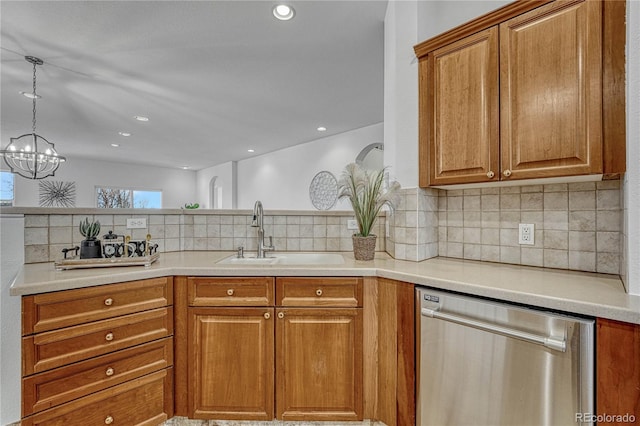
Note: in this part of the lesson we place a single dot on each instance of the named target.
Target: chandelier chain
(34, 98)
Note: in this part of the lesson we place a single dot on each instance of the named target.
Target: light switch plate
(526, 233)
(137, 223)
(352, 224)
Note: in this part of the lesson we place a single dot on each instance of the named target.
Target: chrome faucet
(258, 222)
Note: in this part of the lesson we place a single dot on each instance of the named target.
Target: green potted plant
(90, 247)
(367, 192)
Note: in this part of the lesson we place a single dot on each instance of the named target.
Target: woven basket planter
(364, 248)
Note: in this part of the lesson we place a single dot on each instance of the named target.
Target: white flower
(365, 189)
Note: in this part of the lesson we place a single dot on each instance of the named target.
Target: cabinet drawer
(55, 387)
(222, 291)
(144, 401)
(56, 348)
(51, 311)
(336, 292)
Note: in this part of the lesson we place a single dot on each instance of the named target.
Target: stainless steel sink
(288, 259)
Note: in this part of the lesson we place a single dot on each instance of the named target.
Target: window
(122, 198)
(6, 189)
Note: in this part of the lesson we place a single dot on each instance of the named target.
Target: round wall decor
(323, 190)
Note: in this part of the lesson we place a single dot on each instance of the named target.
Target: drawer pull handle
(230, 292)
(108, 301)
(280, 315)
(507, 173)
(319, 292)
(490, 174)
(108, 420)
(109, 372)
(108, 337)
(267, 315)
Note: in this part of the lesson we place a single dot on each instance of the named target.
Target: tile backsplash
(413, 225)
(47, 234)
(577, 225)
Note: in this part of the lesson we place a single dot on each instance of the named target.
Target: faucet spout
(258, 214)
(258, 222)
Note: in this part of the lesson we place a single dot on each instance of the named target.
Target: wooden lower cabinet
(231, 363)
(106, 361)
(51, 388)
(260, 363)
(617, 369)
(319, 364)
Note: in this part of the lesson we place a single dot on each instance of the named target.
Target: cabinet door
(461, 100)
(617, 368)
(551, 91)
(231, 363)
(319, 364)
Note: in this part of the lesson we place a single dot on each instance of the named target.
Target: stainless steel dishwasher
(482, 362)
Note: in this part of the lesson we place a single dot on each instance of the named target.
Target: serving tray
(77, 263)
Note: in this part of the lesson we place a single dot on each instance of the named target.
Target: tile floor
(183, 421)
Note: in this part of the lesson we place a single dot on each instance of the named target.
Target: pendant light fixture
(30, 155)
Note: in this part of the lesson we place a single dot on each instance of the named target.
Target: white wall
(281, 178)
(401, 92)
(178, 186)
(436, 17)
(632, 177)
(408, 23)
(11, 260)
(225, 175)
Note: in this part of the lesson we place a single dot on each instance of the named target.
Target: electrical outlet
(352, 224)
(136, 223)
(526, 233)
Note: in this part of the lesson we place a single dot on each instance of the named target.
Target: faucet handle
(270, 247)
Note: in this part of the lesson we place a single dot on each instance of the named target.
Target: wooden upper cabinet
(531, 90)
(551, 91)
(462, 104)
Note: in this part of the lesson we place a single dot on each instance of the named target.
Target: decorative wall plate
(323, 190)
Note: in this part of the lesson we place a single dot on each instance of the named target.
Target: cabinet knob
(108, 420)
(267, 315)
(280, 315)
(108, 337)
(108, 301)
(507, 173)
(109, 372)
(230, 292)
(319, 292)
(490, 174)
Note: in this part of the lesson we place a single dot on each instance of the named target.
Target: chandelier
(30, 155)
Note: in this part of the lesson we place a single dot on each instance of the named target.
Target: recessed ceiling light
(30, 95)
(322, 129)
(115, 145)
(124, 134)
(283, 12)
(251, 150)
(185, 167)
(141, 118)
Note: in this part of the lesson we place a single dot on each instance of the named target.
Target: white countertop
(569, 291)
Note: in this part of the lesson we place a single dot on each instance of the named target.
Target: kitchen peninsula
(374, 302)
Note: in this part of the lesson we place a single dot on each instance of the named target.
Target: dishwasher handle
(549, 342)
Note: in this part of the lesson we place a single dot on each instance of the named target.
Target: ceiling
(215, 78)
